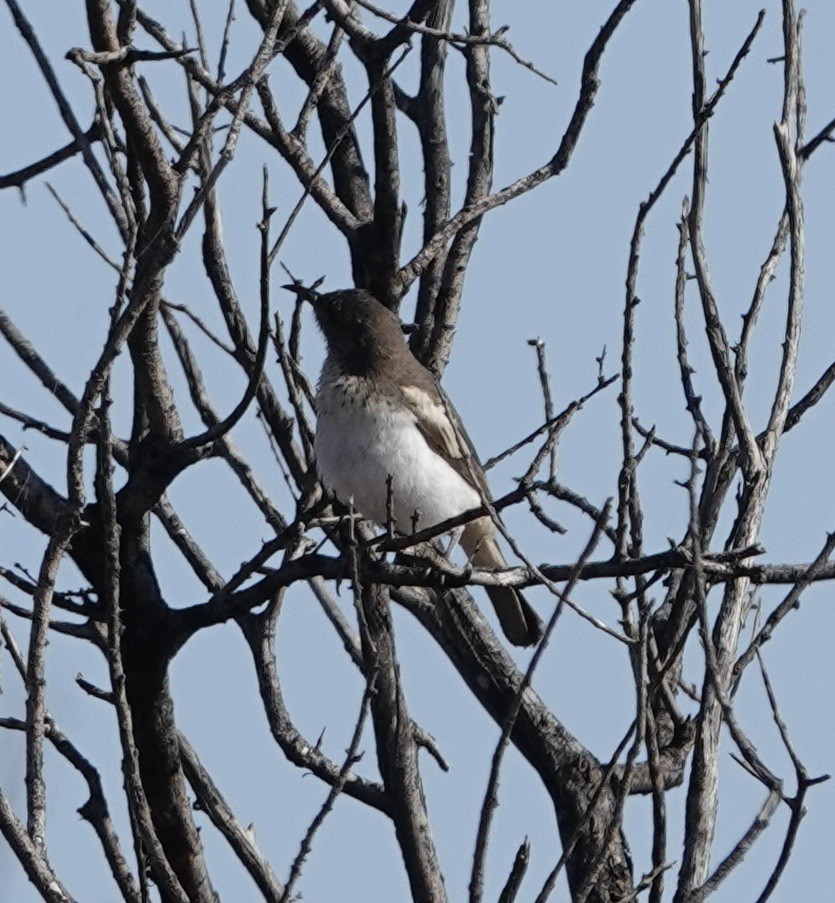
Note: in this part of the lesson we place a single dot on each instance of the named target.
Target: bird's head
(358, 329)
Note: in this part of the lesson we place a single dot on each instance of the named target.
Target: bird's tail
(520, 623)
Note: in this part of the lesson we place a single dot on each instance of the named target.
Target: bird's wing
(441, 427)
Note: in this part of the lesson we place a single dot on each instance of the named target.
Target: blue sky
(551, 265)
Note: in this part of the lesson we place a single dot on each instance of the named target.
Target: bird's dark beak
(302, 292)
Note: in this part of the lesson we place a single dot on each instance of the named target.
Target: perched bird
(380, 414)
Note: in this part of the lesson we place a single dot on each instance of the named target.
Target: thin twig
(496, 39)
(20, 177)
(490, 802)
(351, 758)
(790, 603)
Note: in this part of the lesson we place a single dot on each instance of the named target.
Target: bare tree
(347, 105)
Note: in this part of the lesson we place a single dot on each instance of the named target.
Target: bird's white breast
(363, 437)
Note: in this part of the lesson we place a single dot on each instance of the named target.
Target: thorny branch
(358, 170)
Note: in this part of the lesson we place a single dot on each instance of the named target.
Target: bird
(389, 442)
